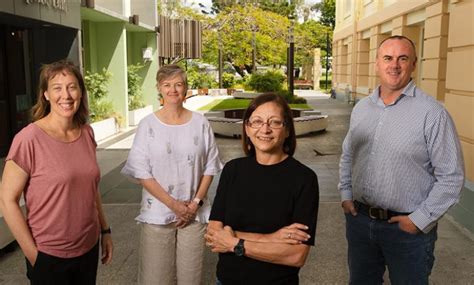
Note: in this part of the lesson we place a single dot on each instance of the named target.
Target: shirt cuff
(346, 195)
(422, 222)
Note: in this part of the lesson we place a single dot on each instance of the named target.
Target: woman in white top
(174, 158)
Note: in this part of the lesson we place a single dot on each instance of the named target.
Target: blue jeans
(374, 244)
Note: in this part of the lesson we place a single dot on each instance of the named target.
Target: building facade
(116, 34)
(443, 32)
(95, 34)
(32, 32)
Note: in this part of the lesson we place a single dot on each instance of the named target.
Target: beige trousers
(169, 256)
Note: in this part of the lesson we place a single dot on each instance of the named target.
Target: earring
(47, 99)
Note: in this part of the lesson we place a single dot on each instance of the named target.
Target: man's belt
(376, 213)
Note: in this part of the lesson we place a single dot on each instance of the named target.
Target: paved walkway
(326, 263)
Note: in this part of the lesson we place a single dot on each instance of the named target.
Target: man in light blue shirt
(400, 171)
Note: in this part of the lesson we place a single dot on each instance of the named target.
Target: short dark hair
(398, 37)
(48, 71)
(289, 145)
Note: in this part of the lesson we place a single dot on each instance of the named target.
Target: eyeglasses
(167, 85)
(257, 123)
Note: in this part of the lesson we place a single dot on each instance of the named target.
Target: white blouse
(176, 156)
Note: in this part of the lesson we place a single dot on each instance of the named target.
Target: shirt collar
(409, 90)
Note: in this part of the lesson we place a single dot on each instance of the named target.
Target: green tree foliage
(282, 8)
(197, 78)
(308, 36)
(288, 9)
(176, 10)
(236, 26)
(327, 8)
(96, 84)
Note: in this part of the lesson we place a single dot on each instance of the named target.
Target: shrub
(135, 93)
(290, 98)
(322, 84)
(270, 81)
(96, 85)
(227, 80)
(286, 95)
(200, 79)
(298, 100)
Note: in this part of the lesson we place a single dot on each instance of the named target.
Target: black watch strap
(198, 201)
(106, 231)
(239, 248)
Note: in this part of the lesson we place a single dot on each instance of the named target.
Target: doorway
(15, 98)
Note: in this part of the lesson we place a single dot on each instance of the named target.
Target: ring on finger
(289, 235)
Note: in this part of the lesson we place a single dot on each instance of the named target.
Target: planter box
(245, 95)
(203, 91)
(104, 129)
(135, 116)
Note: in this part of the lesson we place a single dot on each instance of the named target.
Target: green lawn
(226, 104)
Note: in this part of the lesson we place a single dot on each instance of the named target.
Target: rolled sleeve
(213, 164)
(138, 163)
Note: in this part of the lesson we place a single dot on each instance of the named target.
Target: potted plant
(200, 80)
(104, 121)
(228, 80)
(136, 106)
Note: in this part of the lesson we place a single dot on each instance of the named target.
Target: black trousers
(52, 270)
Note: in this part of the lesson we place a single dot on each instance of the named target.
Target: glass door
(5, 117)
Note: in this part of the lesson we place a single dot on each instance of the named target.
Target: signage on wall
(55, 4)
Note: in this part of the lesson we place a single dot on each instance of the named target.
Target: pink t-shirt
(61, 191)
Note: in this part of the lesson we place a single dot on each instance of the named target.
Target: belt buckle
(380, 214)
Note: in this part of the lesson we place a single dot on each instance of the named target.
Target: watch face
(239, 249)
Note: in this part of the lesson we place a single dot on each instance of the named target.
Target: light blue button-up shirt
(405, 157)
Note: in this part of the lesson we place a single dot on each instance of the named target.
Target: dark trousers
(374, 244)
(51, 270)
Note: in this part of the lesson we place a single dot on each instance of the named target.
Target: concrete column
(375, 39)
(399, 27)
(433, 71)
(362, 66)
(316, 68)
(111, 43)
(336, 64)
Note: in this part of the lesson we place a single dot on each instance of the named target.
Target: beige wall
(443, 32)
(459, 98)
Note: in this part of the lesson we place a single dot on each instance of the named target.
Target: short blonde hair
(171, 70)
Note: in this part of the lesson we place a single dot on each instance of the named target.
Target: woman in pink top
(52, 162)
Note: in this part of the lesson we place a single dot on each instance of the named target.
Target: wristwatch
(106, 231)
(239, 248)
(198, 201)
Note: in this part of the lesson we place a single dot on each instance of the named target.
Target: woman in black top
(263, 219)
